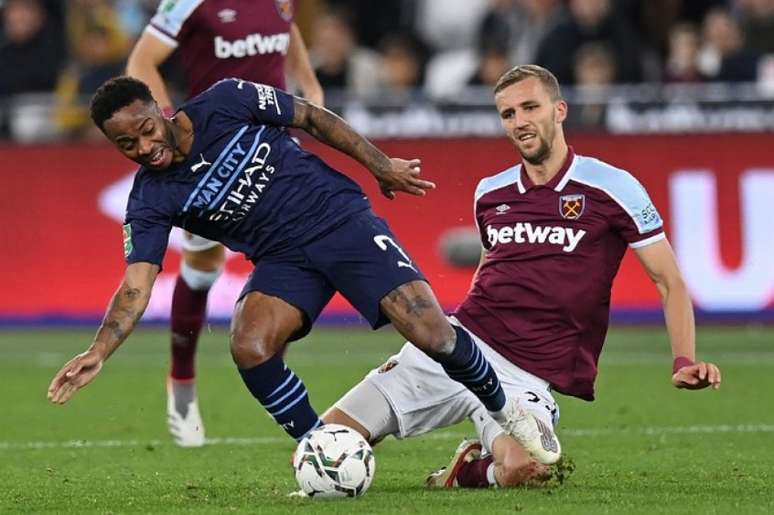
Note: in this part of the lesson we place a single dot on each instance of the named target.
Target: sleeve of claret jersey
(169, 19)
(146, 227)
(252, 102)
(477, 216)
(634, 216)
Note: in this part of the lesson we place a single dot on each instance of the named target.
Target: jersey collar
(557, 182)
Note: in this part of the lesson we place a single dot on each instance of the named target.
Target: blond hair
(525, 71)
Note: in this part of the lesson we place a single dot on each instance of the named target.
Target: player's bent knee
(261, 327)
(249, 349)
(415, 313)
(435, 339)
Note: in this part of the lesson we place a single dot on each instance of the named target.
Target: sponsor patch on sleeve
(267, 97)
(128, 246)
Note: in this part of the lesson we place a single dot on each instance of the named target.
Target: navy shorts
(362, 259)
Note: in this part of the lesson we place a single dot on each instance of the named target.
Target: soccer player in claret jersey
(308, 229)
(554, 229)
(255, 40)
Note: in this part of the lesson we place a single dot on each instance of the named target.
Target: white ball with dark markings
(334, 461)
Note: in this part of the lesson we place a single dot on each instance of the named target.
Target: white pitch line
(271, 440)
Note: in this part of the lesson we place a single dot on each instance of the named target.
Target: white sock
(490, 474)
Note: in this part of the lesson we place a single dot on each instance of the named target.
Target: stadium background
(680, 92)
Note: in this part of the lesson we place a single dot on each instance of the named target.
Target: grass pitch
(642, 447)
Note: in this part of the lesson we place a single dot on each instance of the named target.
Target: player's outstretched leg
(414, 311)
(198, 272)
(261, 326)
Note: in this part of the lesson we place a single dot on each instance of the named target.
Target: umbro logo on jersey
(571, 206)
(227, 16)
(525, 232)
(203, 162)
(502, 208)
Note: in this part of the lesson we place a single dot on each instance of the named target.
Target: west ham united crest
(285, 9)
(571, 206)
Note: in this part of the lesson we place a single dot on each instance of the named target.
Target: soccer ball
(334, 461)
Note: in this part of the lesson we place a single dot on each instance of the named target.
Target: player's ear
(560, 109)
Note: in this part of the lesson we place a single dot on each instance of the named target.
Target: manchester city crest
(571, 206)
(285, 9)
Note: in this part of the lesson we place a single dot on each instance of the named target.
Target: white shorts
(194, 243)
(423, 398)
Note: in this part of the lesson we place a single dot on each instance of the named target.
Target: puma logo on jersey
(525, 232)
(253, 44)
(203, 162)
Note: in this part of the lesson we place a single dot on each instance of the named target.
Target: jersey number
(381, 241)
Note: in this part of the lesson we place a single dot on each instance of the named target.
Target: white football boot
(467, 451)
(183, 418)
(531, 432)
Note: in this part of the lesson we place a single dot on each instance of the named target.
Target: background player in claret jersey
(554, 230)
(255, 40)
(308, 229)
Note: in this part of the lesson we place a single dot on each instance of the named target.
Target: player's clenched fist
(75, 374)
(696, 376)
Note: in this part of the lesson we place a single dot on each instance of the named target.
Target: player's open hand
(403, 176)
(75, 374)
(697, 376)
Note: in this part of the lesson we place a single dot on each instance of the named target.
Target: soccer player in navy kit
(554, 229)
(308, 229)
(255, 40)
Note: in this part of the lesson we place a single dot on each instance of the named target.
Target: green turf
(642, 447)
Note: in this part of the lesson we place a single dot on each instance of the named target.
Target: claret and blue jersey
(542, 296)
(245, 183)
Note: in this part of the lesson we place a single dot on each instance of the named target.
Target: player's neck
(182, 130)
(543, 173)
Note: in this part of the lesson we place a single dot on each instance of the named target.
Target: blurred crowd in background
(54, 53)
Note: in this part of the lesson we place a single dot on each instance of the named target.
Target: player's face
(530, 118)
(141, 134)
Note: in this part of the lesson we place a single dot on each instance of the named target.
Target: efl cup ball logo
(285, 9)
(571, 206)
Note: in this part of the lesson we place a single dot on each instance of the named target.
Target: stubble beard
(544, 150)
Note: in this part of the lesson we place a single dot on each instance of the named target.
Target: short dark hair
(116, 94)
(525, 71)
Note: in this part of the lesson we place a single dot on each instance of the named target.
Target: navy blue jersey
(246, 183)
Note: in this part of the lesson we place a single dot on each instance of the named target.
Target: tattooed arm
(393, 174)
(126, 308)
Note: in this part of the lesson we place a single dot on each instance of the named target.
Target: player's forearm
(678, 312)
(335, 132)
(126, 308)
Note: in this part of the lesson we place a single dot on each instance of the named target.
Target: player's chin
(163, 161)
